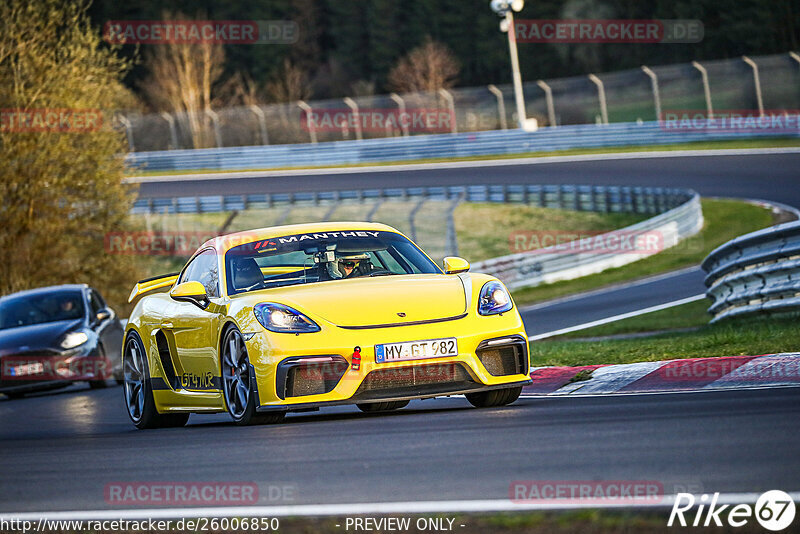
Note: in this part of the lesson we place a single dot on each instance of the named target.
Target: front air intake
(504, 356)
(312, 375)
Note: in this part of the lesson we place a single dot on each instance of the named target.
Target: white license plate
(416, 350)
(25, 369)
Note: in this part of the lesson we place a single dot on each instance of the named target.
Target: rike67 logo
(774, 510)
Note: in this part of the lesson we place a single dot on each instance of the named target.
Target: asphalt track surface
(60, 449)
(601, 304)
(773, 177)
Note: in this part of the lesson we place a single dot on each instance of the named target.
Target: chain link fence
(630, 96)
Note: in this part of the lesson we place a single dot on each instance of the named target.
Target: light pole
(506, 9)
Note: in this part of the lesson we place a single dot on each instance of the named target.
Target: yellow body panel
(361, 312)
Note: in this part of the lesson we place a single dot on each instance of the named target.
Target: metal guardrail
(683, 218)
(676, 214)
(486, 143)
(757, 273)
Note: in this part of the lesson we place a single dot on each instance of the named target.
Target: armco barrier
(755, 273)
(486, 143)
(552, 264)
(677, 215)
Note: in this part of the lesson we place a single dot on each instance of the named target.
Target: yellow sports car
(294, 318)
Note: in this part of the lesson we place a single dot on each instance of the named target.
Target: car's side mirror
(454, 265)
(102, 315)
(193, 292)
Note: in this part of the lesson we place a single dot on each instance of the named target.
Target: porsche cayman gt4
(295, 318)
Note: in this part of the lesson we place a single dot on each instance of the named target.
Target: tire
(138, 391)
(495, 397)
(237, 383)
(14, 396)
(372, 407)
(100, 384)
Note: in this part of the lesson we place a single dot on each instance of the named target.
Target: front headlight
(279, 318)
(494, 298)
(74, 339)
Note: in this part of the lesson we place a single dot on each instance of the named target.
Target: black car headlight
(73, 340)
(493, 299)
(280, 318)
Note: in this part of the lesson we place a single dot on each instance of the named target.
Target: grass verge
(778, 142)
(724, 220)
(730, 338)
(684, 316)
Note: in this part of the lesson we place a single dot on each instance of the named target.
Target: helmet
(344, 265)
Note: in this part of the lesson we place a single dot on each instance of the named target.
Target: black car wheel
(138, 390)
(495, 397)
(237, 383)
(371, 407)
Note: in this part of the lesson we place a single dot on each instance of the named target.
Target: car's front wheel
(237, 383)
(138, 390)
(371, 407)
(495, 397)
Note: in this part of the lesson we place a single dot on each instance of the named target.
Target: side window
(204, 269)
(96, 302)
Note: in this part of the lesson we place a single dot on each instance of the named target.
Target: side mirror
(102, 315)
(455, 265)
(193, 292)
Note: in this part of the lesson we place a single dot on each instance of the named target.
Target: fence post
(215, 121)
(501, 105)
(548, 98)
(706, 88)
(451, 106)
(757, 82)
(173, 132)
(312, 130)
(354, 107)
(656, 93)
(452, 238)
(402, 107)
(262, 123)
(128, 130)
(601, 95)
(411, 217)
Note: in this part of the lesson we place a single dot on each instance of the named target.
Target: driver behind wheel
(349, 266)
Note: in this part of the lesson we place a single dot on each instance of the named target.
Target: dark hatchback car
(53, 336)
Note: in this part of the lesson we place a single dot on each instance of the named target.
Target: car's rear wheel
(237, 383)
(495, 397)
(370, 407)
(138, 390)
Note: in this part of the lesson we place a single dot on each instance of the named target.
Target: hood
(36, 337)
(375, 301)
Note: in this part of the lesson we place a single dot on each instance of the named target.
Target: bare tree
(181, 80)
(429, 67)
(289, 85)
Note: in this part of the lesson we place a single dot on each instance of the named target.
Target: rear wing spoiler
(151, 284)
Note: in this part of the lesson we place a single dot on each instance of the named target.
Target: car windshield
(320, 257)
(38, 308)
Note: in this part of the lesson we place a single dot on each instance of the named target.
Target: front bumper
(278, 372)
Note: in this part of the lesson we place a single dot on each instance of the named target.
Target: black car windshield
(320, 257)
(25, 310)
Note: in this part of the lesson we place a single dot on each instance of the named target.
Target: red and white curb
(691, 374)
